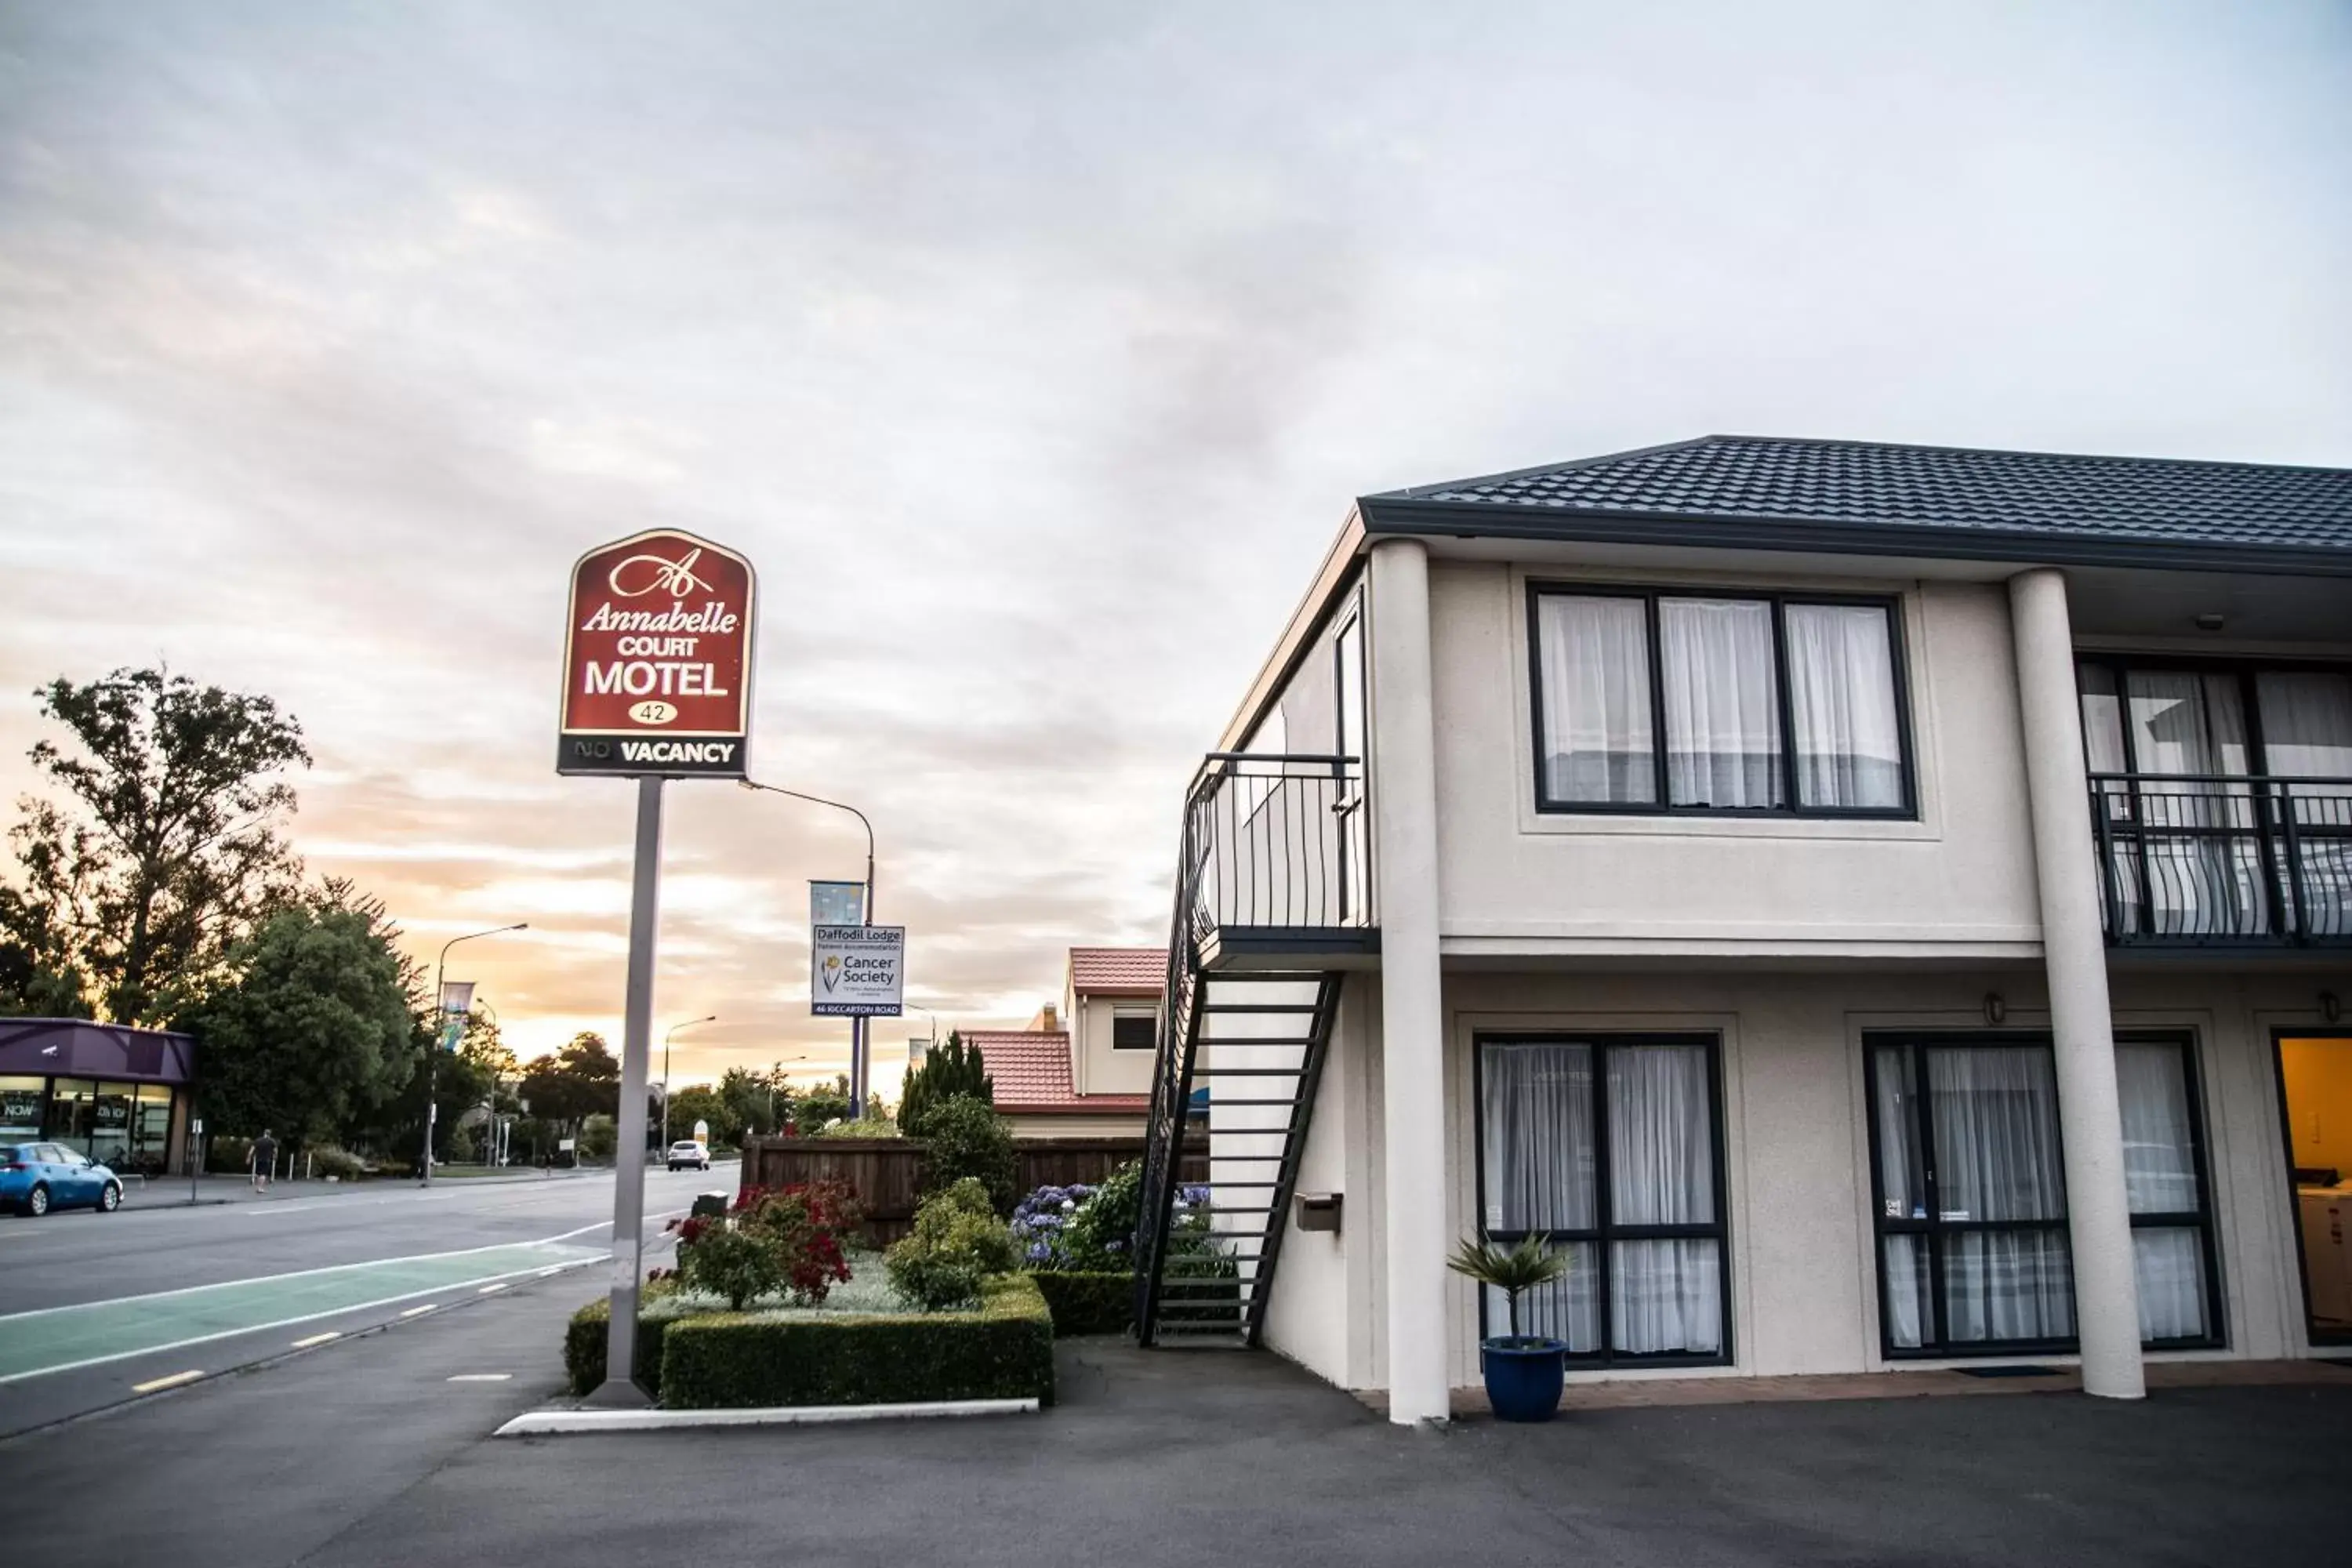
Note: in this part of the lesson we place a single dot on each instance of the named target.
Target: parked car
(687, 1155)
(38, 1177)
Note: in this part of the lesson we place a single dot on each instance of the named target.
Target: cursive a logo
(643, 575)
(653, 713)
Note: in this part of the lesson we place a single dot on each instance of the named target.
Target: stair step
(1200, 1073)
(1207, 1041)
(1207, 1008)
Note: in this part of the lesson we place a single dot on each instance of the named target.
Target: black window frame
(1898, 659)
(1934, 1226)
(1150, 1022)
(1605, 1231)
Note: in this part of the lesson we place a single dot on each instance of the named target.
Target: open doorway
(2316, 1080)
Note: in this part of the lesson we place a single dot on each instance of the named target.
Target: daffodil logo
(832, 970)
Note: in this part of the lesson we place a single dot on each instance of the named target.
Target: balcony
(2214, 860)
(1277, 860)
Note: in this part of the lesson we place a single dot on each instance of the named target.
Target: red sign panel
(658, 660)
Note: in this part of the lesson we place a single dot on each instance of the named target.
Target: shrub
(964, 1138)
(1101, 1234)
(812, 1111)
(864, 1127)
(951, 1070)
(1005, 1350)
(804, 1223)
(732, 1260)
(1040, 1222)
(226, 1155)
(957, 1242)
(586, 1336)
(1087, 1303)
(341, 1164)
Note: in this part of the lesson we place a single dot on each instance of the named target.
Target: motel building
(1873, 907)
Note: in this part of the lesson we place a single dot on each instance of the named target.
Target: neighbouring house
(1870, 906)
(1083, 1067)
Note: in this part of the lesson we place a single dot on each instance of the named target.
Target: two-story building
(1870, 906)
(1083, 1067)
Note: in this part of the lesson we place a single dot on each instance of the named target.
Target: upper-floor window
(1654, 700)
(1134, 1031)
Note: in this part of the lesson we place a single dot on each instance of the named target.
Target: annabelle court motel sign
(657, 661)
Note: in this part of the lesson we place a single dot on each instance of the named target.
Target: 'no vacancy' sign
(658, 660)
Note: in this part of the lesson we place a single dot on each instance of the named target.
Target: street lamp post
(433, 1061)
(857, 1026)
(674, 1028)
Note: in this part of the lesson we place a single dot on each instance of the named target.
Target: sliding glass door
(1968, 1188)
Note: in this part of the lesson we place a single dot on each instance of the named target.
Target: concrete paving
(365, 1456)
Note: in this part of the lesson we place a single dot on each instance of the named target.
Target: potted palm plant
(1522, 1371)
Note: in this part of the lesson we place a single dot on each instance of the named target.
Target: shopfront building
(118, 1095)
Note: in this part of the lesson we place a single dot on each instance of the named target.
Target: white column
(2107, 1293)
(1404, 827)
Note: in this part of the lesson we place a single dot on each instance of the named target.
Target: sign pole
(620, 1388)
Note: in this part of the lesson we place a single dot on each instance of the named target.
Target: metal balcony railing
(1276, 843)
(2212, 859)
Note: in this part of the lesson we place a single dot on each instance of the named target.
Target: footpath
(174, 1192)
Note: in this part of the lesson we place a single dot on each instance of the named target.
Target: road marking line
(482, 1377)
(419, 1311)
(317, 1340)
(256, 1328)
(491, 1289)
(156, 1385)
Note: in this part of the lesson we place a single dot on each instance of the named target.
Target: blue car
(38, 1177)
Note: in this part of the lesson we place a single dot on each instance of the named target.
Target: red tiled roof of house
(1030, 1070)
(1119, 971)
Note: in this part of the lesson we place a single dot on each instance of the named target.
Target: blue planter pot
(1523, 1376)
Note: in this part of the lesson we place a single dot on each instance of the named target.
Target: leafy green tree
(951, 1070)
(38, 978)
(319, 1026)
(812, 1111)
(169, 849)
(965, 1139)
(701, 1102)
(582, 1080)
(755, 1101)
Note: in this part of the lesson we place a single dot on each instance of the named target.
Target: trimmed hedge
(585, 1336)
(1087, 1303)
(1005, 1350)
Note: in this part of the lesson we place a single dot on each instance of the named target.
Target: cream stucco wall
(1094, 1066)
(1511, 879)
(1804, 1289)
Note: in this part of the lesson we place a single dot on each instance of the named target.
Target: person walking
(264, 1161)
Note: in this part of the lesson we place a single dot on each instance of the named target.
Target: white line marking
(153, 1384)
(482, 1377)
(259, 1328)
(419, 1311)
(317, 1340)
(493, 1289)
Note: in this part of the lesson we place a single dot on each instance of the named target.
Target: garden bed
(850, 1351)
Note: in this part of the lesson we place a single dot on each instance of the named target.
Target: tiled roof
(1031, 1071)
(1129, 971)
(1934, 501)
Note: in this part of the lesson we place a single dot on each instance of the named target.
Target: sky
(1033, 353)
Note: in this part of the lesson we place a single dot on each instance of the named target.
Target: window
(1970, 1190)
(20, 1107)
(1612, 1147)
(1134, 1032)
(1656, 701)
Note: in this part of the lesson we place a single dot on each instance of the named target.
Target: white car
(688, 1155)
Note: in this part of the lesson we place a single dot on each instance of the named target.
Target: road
(95, 1310)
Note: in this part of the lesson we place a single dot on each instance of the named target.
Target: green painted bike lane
(55, 1339)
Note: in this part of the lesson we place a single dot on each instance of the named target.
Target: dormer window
(1134, 1030)
(1656, 701)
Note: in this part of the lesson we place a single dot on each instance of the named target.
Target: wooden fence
(888, 1172)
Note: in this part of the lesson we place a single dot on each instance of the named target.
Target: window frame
(1934, 1226)
(1606, 1231)
(1898, 663)
(1149, 1020)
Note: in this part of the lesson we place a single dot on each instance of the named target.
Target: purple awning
(75, 1047)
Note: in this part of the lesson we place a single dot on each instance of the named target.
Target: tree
(954, 1070)
(581, 1080)
(963, 1137)
(319, 1026)
(38, 978)
(701, 1102)
(755, 1101)
(169, 853)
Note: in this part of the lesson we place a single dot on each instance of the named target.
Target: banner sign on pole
(457, 996)
(657, 661)
(856, 972)
(837, 903)
(452, 1031)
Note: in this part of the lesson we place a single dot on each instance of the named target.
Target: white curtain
(2103, 744)
(1722, 702)
(1995, 1115)
(1598, 741)
(1903, 1183)
(2307, 734)
(1536, 1125)
(1664, 1295)
(2161, 1177)
(1841, 703)
(2208, 882)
